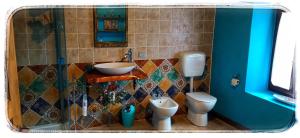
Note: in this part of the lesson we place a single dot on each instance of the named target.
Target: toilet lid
(201, 96)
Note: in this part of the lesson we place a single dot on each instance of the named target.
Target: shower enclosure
(42, 68)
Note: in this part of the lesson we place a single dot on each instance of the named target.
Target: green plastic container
(128, 117)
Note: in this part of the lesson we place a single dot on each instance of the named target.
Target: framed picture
(110, 25)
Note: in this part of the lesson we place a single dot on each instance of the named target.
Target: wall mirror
(110, 26)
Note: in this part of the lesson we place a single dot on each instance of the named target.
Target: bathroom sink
(116, 68)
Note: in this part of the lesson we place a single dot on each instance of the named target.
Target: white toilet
(198, 103)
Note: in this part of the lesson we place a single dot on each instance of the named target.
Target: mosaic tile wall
(40, 99)
(39, 95)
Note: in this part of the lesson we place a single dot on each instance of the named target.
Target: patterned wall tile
(140, 94)
(85, 121)
(146, 101)
(165, 84)
(53, 115)
(157, 76)
(172, 91)
(42, 98)
(149, 85)
(38, 86)
(149, 67)
(28, 98)
(30, 118)
(157, 91)
(51, 95)
(74, 71)
(26, 76)
(40, 106)
(76, 112)
(49, 75)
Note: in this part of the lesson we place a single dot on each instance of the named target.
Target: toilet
(198, 103)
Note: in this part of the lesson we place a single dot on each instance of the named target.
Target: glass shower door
(42, 70)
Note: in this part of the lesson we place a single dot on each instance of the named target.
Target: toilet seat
(200, 97)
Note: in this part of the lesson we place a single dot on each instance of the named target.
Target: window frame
(276, 89)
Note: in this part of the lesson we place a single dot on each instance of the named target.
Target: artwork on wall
(110, 25)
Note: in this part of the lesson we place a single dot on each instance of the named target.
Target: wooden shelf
(97, 77)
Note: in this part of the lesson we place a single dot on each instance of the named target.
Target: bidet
(163, 109)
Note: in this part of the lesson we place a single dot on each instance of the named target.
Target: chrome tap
(128, 55)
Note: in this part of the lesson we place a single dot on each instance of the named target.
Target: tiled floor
(179, 124)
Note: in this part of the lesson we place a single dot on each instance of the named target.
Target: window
(281, 79)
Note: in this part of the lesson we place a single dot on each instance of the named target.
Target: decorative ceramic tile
(53, 115)
(74, 96)
(28, 98)
(172, 91)
(42, 122)
(149, 85)
(177, 66)
(40, 106)
(22, 89)
(30, 118)
(164, 79)
(140, 83)
(146, 101)
(19, 68)
(180, 99)
(165, 84)
(38, 69)
(75, 127)
(76, 112)
(49, 75)
(180, 83)
(121, 84)
(140, 112)
(173, 75)
(58, 104)
(122, 96)
(157, 62)
(26, 76)
(74, 72)
(94, 110)
(157, 76)
(149, 67)
(129, 88)
(186, 89)
(85, 121)
(23, 109)
(94, 123)
(173, 61)
(92, 92)
(203, 87)
(140, 63)
(157, 91)
(51, 95)
(165, 66)
(115, 108)
(38, 86)
(140, 94)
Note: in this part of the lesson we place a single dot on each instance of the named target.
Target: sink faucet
(128, 55)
